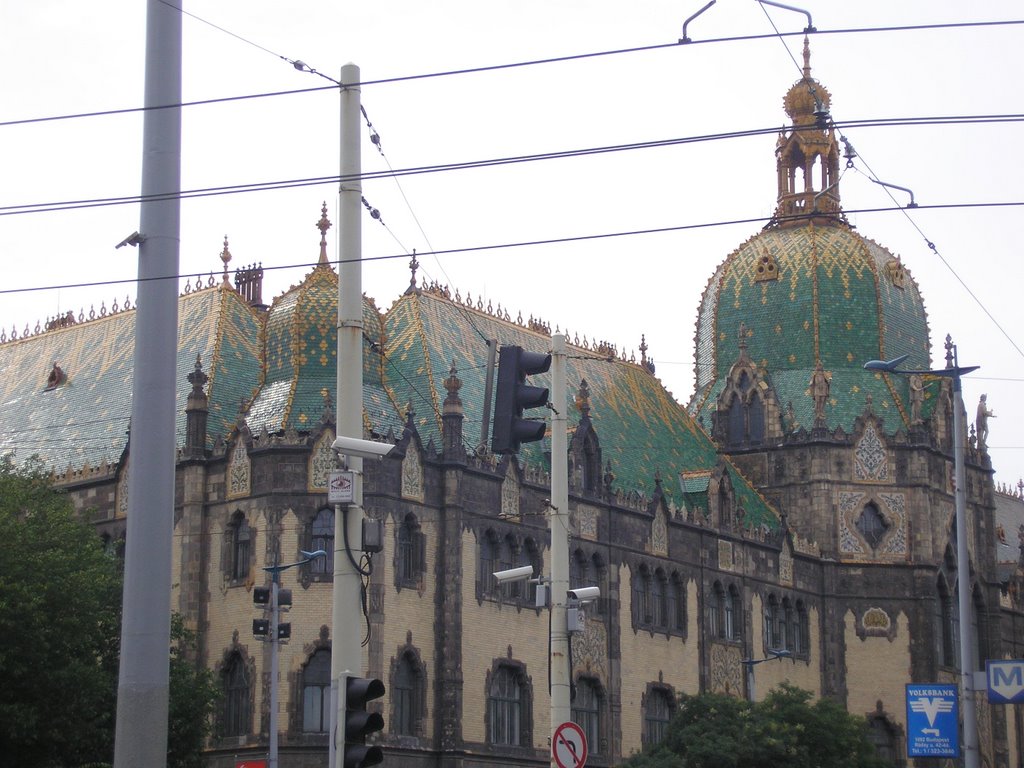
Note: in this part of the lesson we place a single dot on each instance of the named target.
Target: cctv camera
(514, 574)
(364, 449)
(585, 594)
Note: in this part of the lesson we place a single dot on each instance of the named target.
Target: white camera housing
(585, 594)
(514, 574)
(364, 449)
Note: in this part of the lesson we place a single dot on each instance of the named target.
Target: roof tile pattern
(838, 298)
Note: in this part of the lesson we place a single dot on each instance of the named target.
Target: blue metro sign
(1005, 681)
(933, 721)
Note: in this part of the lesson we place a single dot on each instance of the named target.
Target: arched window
(716, 611)
(658, 709)
(737, 430)
(409, 553)
(240, 549)
(488, 563)
(787, 619)
(578, 569)
(508, 696)
(316, 693)
(798, 634)
(236, 719)
(773, 618)
(731, 613)
(407, 695)
(510, 590)
(755, 419)
(642, 597)
(676, 603)
(659, 605)
(322, 537)
(587, 712)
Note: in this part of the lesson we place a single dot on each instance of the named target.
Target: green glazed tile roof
(835, 300)
(301, 355)
(642, 430)
(85, 421)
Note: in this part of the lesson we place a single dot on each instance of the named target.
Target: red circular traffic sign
(569, 746)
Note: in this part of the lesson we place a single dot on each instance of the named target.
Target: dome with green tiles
(810, 293)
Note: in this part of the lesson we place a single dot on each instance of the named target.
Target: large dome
(809, 293)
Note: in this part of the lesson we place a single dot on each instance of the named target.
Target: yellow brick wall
(647, 659)
(408, 610)
(488, 631)
(877, 669)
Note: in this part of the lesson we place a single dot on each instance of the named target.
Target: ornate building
(798, 502)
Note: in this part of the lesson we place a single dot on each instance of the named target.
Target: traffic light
(514, 395)
(359, 723)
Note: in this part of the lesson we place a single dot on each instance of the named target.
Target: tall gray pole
(142, 688)
(560, 699)
(963, 575)
(346, 623)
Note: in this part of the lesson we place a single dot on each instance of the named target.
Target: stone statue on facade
(981, 422)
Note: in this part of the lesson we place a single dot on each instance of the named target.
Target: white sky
(64, 57)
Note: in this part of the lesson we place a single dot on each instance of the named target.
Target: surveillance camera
(585, 594)
(514, 574)
(364, 449)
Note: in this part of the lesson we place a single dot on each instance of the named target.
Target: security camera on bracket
(363, 449)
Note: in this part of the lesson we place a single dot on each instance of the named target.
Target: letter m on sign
(1005, 681)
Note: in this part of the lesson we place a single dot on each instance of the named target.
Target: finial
(807, 58)
(583, 399)
(949, 351)
(323, 225)
(198, 378)
(225, 256)
(413, 266)
(743, 336)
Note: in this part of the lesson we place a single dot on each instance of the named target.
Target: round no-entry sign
(569, 746)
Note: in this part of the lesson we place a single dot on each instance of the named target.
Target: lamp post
(780, 653)
(275, 593)
(954, 371)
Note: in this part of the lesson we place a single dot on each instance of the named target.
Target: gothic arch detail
(239, 469)
(412, 473)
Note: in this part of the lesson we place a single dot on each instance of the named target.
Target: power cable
(498, 67)
(63, 205)
(528, 243)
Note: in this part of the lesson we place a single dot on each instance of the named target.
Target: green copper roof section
(301, 360)
(642, 430)
(836, 298)
(84, 421)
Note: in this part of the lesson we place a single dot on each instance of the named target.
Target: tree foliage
(784, 731)
(60, 597)
(193, 695)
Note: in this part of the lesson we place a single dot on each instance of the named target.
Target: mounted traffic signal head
(514, 395)
(359, 723)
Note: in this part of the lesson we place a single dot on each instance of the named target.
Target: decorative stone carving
(412, 473)
(321, 461)
(870, 458)
(725, 556)
(659, 534)
(239, 478)
(510, 493)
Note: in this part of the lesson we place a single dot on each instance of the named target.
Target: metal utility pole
(559, 661)
(346, 650)
(143, 683)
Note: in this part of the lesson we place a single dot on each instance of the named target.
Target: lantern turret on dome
(807, 155)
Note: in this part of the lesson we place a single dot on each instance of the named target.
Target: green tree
(193, 695)
(60, 597)
(784, 731)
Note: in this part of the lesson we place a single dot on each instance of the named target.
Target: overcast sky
(61, 57)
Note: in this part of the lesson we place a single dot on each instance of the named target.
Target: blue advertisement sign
(933, 720)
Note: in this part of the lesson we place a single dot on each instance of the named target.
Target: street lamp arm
(309, 557)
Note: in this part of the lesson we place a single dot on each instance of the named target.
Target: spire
(807, 58)
(323, 225)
